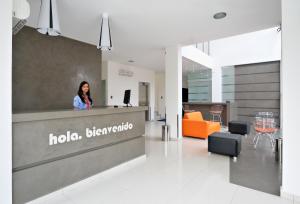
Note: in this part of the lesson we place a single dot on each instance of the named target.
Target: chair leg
(254, 139)
(258, 137)
(220, 120)
(272, 141)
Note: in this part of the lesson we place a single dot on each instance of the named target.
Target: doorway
(144, 98)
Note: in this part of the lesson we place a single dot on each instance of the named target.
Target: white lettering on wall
(89, 133)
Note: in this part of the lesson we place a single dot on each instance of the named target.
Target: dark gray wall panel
(258, 87)
(258, 68)
(257, 95)
(252, 88)
(47, 71)
(40, 180)
(257, 78)
(31, 139)
(257, 103)
(40, 168)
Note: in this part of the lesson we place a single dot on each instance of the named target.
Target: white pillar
(290, 98)
(5, 102)
(216, 80)
(173, 90)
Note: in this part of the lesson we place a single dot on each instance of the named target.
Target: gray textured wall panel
(258, 68)
(40, 180)
(257, 87)
(257, 78)
(258, 103)
(257, 95)
(263, 92)
(47, 71)
(252, 88)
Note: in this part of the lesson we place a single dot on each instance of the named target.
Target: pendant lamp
(105, 37)
(48, 23)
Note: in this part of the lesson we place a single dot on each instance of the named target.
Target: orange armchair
(193, 125)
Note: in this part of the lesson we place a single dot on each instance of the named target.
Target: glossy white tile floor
(173, 172)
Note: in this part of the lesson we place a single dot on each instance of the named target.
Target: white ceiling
(142, 29)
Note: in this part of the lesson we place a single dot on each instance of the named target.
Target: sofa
(193, 125)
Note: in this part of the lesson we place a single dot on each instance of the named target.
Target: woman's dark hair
(80, 92)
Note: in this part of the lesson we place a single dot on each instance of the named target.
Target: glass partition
(199, 84)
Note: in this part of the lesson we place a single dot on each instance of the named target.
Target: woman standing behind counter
(83, 100)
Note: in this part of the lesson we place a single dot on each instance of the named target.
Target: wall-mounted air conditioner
(21, 11)
(124, 72)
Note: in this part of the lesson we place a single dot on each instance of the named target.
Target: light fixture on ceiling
(48, 23)
(105, 37)
(220, 15)
(131, 61)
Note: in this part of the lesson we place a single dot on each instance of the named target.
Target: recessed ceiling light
(131, 61)
(220, 15)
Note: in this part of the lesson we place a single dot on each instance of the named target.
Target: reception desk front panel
(54, 149)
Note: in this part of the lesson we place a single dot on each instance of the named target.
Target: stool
(225, 144)
(239, 127)
(216, 113)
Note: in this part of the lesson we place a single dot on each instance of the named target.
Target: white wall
(5, 102)
(160, 94)
(116, 84)
(196, 55)
(290, 111)
(254, 47)
(160, 91)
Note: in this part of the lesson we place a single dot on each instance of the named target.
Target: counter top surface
(71, 113)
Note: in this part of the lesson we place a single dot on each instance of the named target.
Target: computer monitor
(127, 97)
(185, 95)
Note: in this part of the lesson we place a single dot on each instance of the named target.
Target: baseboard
(286, 195)
(289, 196)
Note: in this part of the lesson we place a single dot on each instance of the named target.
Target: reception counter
(54, 149)
(204, 108)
